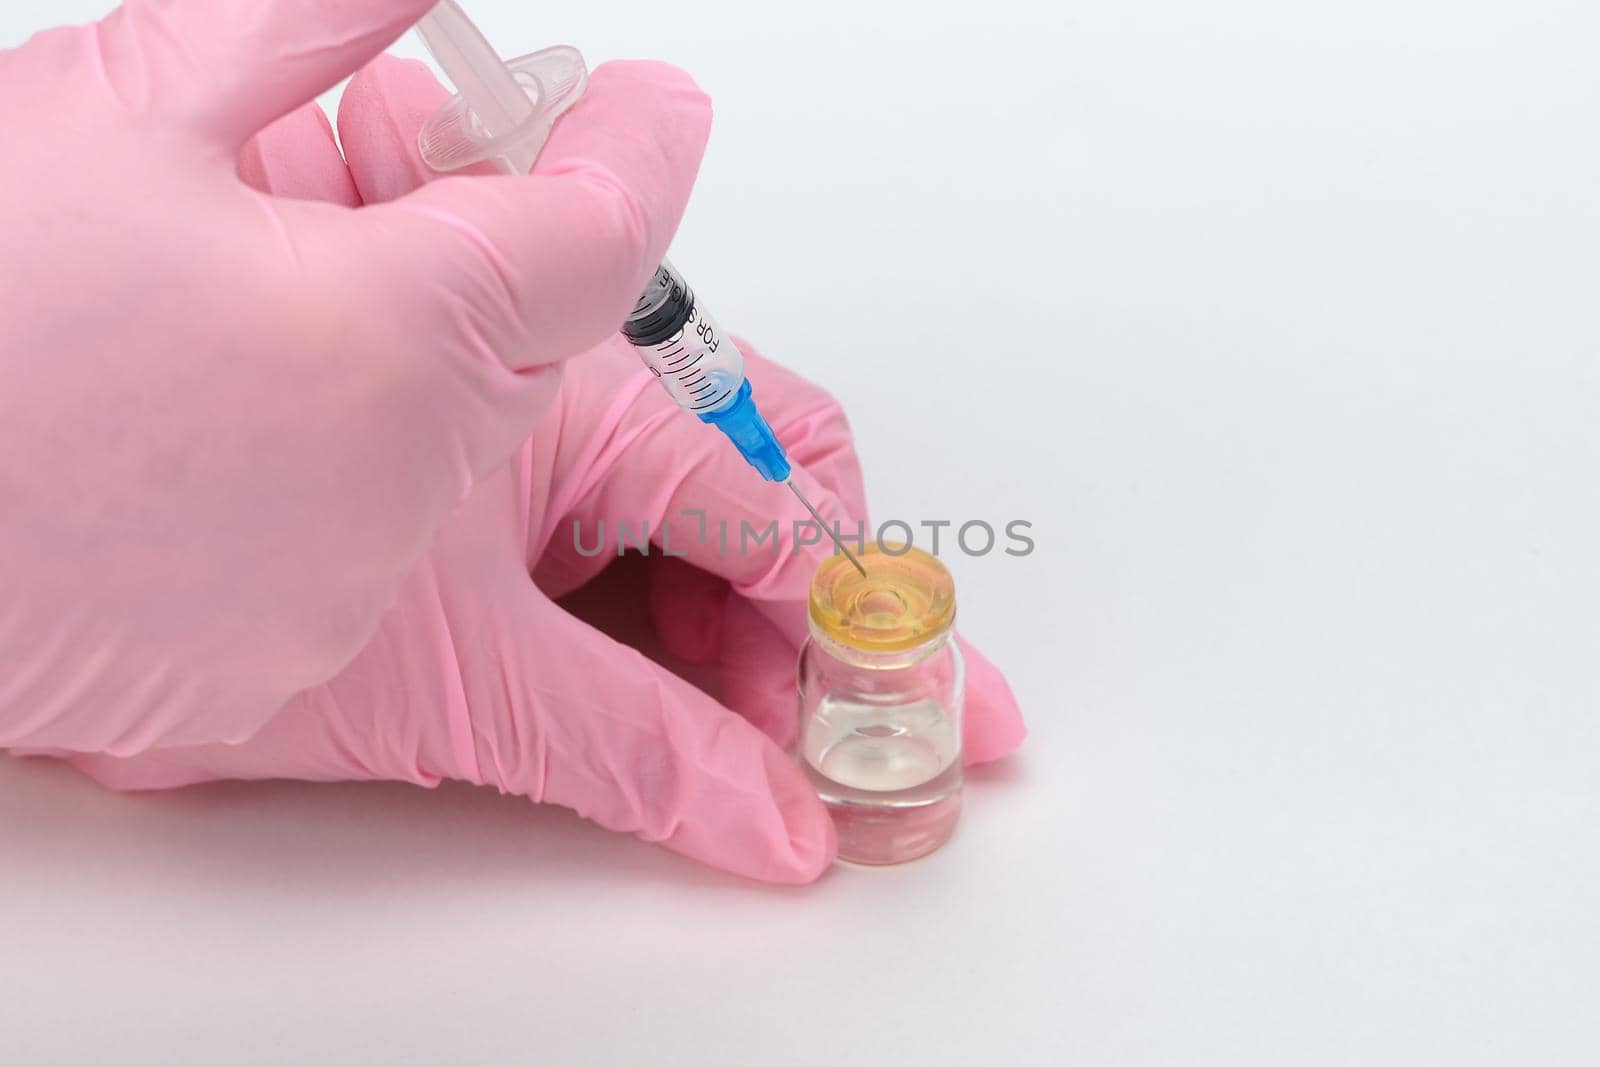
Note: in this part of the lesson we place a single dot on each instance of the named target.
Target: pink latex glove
(476, 673)
(231, 423)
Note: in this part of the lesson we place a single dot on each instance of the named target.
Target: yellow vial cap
(906, 599)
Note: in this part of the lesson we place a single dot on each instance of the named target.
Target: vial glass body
(881, 683)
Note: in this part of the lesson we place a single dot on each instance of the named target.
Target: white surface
(1309, 644)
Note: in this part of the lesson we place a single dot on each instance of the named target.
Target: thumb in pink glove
(231, 423)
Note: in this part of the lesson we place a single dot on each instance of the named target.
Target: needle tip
(831, 532)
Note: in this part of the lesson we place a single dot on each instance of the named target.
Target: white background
(1279, 321)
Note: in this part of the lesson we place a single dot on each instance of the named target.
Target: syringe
(502, 114)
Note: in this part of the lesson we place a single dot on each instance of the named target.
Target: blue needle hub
(750, 433)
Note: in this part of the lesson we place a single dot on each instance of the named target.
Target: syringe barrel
(698, 364)
(492, 119)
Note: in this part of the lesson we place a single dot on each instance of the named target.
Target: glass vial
(881, 685)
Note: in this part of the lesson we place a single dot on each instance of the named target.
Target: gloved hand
(475, 673)
(231, 423)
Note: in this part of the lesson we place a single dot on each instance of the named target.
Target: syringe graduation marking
(676, 339)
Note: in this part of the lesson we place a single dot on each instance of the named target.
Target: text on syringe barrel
(699, 365)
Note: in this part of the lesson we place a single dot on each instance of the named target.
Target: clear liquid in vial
(889, 775)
